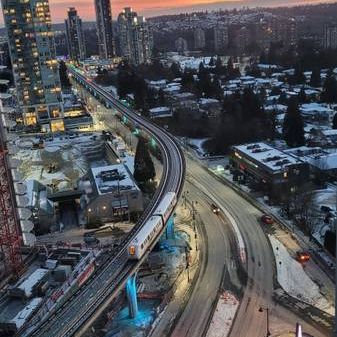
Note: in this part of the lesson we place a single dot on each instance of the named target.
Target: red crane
(10, 237)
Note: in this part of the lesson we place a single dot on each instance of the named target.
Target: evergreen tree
(329, 94)
(334, 121)
(219, 68)
(315, 79)
(143, 167)
(263, 58)
(283, 98)
(65, 83)
(302, 97)
(175, 70)
(293, 126)
(298, 77)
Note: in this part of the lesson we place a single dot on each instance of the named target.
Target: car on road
(267, 219)
(302, 257)
(215, 209)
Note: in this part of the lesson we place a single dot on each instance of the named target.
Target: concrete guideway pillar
(131, 294)
(169, 231)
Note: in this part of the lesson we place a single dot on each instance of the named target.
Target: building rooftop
(268, 156)
(112, 178)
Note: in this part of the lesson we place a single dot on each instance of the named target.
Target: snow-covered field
(294, 280)
(223, 316)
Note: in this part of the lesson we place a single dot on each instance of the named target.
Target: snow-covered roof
(159, 82)
(28, 284)
(5, 96)
(276, 107)
(110, 178)
(203, 101)
(173, 88)
(268, 156)
(160, 109)
(20, 319)
(311, 108)
(329, 132)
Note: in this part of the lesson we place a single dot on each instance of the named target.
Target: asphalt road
(216, 253)
(249, 322)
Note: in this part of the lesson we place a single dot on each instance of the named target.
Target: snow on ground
(223, 315)
(294, 280)
(129, 161)
(326, 197)
(197, 144)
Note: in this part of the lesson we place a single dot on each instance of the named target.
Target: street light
(262, 309)
(185, 197)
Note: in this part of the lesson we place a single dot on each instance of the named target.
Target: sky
(154, 7)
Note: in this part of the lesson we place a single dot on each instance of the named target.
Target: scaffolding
(10, 237)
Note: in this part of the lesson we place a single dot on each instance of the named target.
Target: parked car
(267, 219)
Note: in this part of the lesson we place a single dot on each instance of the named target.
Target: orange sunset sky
(161, 7)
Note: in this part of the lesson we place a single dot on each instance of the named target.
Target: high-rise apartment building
(104, 29)
(220, 33)
(35, 68)
(199, 39)
(135, 37)
(330, 37)
(181, 45)
(75, 36)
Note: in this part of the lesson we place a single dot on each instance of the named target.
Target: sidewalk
(163, 323)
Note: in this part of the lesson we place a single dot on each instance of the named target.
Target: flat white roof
(330, 132)
(160, 109)
(110, 178)
(28, 284)
(270, 157)
(24, 314)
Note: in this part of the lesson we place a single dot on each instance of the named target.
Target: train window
(142, 246)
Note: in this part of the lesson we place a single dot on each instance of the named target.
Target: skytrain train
(152, 227)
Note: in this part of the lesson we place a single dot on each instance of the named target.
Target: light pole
(185, 193)
(187, 264)
(262, 309)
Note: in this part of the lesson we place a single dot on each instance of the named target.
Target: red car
(302, 257)
(267, 219)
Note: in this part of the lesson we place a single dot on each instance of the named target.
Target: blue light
(131, 293)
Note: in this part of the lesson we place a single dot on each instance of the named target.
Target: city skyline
(150, 8)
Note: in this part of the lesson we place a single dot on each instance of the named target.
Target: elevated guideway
(80, 310)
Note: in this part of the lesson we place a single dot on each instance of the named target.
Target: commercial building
(220, 38)
(199, 39)
(135, 37)
(4, 52)
(110, 193)
(330, 37)
(35, 68)
(104, 29)
(267, 169)
(75, 36)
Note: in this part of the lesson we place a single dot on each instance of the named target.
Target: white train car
(152, 228)
(145, 236)
(166, 206)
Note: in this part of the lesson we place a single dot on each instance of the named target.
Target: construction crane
(10, 236)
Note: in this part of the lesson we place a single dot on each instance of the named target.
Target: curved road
(260, 267)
